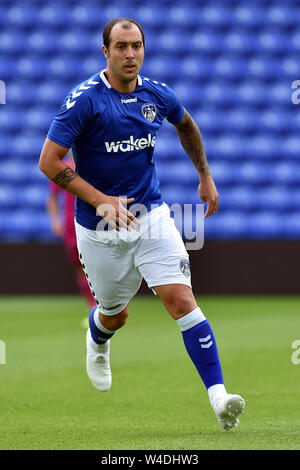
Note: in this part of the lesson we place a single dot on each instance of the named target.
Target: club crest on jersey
(149, 111)
(185, 267)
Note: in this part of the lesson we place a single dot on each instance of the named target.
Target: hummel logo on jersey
(131, 144)
(130, 100)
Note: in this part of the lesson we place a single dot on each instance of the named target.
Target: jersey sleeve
(175, 109)
(71, 120)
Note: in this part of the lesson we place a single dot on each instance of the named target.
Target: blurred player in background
(111, 121)
(62, 225)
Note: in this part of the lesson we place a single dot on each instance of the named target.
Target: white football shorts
(116, 262)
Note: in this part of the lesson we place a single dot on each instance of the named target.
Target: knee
(181, 305)
(179, 302)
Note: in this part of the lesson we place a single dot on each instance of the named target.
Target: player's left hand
(208, 193)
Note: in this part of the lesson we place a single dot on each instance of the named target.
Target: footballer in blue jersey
(111, 121)
(112, 135)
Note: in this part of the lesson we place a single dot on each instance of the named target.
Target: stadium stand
(231, 63)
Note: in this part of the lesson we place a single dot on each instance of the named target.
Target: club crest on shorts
(149, 111)
(185, 267)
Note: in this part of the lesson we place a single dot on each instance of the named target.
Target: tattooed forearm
(191, 141)
(63, 178)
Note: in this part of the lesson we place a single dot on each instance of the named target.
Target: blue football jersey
(112, 136)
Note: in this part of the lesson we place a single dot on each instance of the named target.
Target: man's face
(125, 54)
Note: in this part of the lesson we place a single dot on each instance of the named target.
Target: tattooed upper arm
(191, 140)
(63, 178)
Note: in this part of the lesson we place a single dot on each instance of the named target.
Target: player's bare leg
(102, 328)
(201, 346)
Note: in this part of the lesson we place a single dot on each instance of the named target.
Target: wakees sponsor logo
(130, 144)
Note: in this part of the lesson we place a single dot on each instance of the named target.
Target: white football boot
(227, 409)
(97, 363)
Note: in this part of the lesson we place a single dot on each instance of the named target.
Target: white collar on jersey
(106, 82)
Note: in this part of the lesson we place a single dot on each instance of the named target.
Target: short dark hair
(125, 23)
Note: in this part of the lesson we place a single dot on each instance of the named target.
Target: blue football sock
(99, 333)
(201, 346)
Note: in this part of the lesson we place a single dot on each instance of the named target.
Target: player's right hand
(113, 210)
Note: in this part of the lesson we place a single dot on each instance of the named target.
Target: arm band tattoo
(63, 178)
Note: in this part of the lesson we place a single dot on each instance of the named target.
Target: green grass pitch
(157, 400)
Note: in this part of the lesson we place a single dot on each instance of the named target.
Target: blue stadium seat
(3, 17)
(215, 16)
(55, 16)
(34, 197)
(26, 225)
(274, 42)
(15, 172)
(207, 42)
(178, 16)
(291, 147)
(189, 93)
(8, 197)
(167, 148)
(219, 94)
(266, 225)
(275, 121)
(231, 68)
(276, 198)
(263, 146)
(16, 94)
(27, 146)
(43, 42)
(52, 93)
(65, 68)
(240, 120)
(172, 43)
(38, 119)
(282, 15)
(11, 121)
(172, 195)
(263, 68)
(239, 42)
(251, 93)
(256, 173)
(227, 225)
(286, 172)
(21, 16)
(182, 172)
(161, 68)
(226, 146)
(294, 45)
(195, 67)
(12, 43)
(32, 68)
(289, 67)
(224, 173)
(241, 198)
(208, 121)
(76, 42)
(248, 15)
